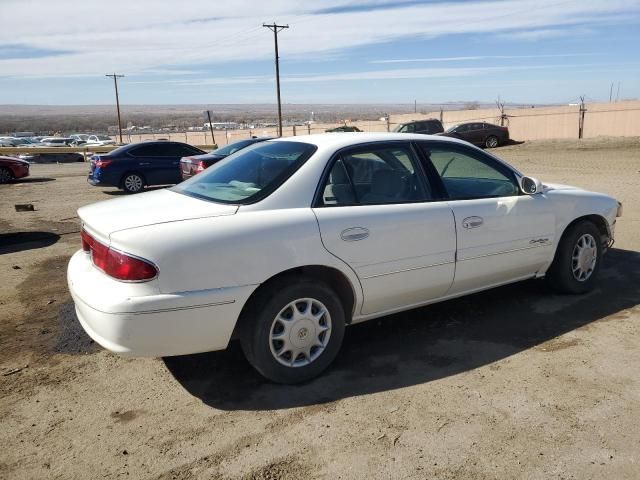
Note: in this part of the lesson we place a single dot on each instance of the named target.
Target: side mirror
(530, 185)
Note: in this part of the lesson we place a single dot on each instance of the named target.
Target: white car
(100, 140)
(286, 242)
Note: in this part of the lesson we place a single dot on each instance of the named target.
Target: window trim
(476, 154)
(426, 184)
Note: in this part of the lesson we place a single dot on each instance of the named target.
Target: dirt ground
(512, 383)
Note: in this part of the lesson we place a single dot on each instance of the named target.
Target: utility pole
(500, 105)
(115, 84)
(611, 93)
(415, 106)
(275, 28)
(581, 117)
(618, 92)
(213, 139)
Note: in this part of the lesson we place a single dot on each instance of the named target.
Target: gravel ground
(512, 383)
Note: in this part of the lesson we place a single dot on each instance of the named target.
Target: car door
(377, 213)
(148, 160)
(502, 234)
(475, 133)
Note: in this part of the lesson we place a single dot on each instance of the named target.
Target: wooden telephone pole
(115, 84)
(275, 28)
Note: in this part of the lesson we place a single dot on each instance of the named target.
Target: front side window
(250, 174)
(375, 175)
(467, 174)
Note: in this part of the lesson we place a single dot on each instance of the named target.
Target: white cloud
(478, 57)
(147, 36)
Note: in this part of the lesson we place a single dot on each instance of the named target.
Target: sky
(334, 51)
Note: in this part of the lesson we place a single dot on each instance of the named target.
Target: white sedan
(286, 242)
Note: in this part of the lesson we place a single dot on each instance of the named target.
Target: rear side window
(250, 174)
(375, 175)
(152, 150)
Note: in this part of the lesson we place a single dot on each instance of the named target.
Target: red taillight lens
(86, 239)
(201, 166)
(117, 264)
(103, 163)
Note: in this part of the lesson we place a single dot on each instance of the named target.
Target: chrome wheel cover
(133, 183)
(492, 142)
(584, 257)
(300, 332)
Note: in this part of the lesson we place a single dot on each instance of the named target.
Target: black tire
(6, 175)
(492, 141)
(561, 275)
(259, 320)
(132, 182)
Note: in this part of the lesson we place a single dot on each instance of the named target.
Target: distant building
(222, 125)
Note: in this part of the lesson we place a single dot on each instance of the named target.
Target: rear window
(249, 174)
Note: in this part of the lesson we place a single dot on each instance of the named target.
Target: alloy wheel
(133, 183)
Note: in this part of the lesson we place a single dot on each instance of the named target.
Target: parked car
(12, 168)
(189, 166)
(100, 140)
(425, 127)
(344, 128)
(52, 157)
(134, 166)
(287, 242)
(479, 133)
(56, 142)
(80, 137)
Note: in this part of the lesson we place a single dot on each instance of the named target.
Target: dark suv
(430, 126)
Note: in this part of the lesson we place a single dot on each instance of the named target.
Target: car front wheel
(133, 183)
(291, 332)
(577, 262)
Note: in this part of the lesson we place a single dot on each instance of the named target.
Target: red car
(12, 168)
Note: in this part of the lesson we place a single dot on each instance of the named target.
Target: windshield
(103, 137)
(451, 129)
(232, 147)
(250, 174)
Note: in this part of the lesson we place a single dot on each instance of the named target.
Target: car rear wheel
(293, 330)
(577, 262)
(492, 142)
(5, 175)
(133, 183)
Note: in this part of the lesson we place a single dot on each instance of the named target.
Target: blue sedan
(135, 166)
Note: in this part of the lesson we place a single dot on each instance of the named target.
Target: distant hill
(98, 118)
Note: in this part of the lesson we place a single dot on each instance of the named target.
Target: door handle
(354, 234)
(472, 222)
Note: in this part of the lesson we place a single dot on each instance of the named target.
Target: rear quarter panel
(247, 248)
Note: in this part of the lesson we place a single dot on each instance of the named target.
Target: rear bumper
(154, 325)
(96, 182)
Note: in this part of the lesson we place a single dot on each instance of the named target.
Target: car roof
(339, 140)
(420, 121)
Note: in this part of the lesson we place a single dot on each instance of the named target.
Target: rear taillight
(116, 264)
(103, 163)
(201, 166)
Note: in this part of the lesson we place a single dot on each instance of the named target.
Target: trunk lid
(160, 206)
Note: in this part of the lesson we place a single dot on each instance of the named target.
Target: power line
(275, 28)
(115, 84)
